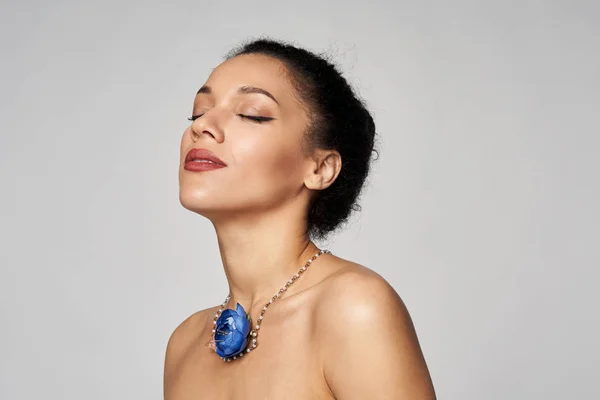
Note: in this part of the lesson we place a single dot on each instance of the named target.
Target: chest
(284, 365)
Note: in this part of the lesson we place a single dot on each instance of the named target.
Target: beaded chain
(254, 331)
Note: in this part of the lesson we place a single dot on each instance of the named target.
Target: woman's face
(265, 166)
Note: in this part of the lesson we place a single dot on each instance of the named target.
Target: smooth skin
(340, 331)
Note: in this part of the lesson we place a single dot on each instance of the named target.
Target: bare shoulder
(358, 293)
(184, 336)
(189, 328)
(362, 322)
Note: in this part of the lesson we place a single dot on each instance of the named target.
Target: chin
(197, 201)
(206, 204)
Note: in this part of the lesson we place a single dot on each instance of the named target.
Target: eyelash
(257, 119)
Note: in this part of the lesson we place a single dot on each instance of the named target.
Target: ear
(323, 168)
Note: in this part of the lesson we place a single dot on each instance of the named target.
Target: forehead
(256, 70)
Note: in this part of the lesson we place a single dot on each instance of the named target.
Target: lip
(203, 154)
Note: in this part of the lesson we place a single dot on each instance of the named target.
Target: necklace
(232, 335)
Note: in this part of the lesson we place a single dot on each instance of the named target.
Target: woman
(276, 155)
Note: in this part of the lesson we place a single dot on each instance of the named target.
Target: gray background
(482, 210)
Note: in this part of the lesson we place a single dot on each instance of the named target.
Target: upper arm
(370, 348)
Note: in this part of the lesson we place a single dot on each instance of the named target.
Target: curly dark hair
(339, 120)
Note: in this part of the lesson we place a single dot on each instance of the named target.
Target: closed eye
(195, 117)
(256, 118)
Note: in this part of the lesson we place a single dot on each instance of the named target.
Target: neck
(260, 256)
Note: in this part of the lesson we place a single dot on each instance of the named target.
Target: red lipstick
(202, 160)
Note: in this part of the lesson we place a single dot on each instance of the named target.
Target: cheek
(269, 159)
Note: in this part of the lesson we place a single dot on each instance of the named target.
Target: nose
(207, 125)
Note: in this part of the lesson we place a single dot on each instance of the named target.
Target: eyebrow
(242, 90)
